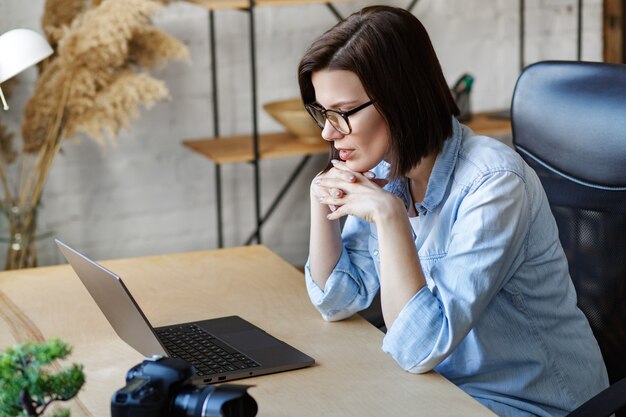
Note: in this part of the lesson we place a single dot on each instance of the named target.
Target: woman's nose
(329, 133)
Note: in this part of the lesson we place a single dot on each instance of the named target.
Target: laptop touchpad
(251, 339)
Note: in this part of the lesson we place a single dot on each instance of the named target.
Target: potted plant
(31, 380)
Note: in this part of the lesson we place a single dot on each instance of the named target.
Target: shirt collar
(439, 177)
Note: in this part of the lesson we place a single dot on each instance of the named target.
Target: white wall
(149, 195)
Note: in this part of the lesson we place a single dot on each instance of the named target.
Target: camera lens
(221, 401)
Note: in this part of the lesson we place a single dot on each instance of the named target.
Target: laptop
(220, 349)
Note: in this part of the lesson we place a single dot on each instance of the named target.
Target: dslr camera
(160, 387)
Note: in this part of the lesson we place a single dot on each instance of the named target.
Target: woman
(453, 229)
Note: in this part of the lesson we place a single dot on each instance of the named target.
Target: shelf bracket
(334, 11)
(411, 5)
(283, 191)
(216, 127)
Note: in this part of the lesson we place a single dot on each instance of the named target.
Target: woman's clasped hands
(346, 192)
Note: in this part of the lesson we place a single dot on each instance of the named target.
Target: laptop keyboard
(205, 352)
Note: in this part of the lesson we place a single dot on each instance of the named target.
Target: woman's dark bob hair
(391, 53)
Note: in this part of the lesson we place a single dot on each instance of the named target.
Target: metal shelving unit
(522, 31)
(255, 147)
(254, 139)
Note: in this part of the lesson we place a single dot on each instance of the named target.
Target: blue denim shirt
(498, 316)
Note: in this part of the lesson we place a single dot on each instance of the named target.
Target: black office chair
(569, 124)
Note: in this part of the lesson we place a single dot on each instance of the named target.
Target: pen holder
(461, 93)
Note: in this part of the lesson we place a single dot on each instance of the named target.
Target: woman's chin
(360, 166)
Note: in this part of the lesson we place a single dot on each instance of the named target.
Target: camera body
(150, 386)
(160, 387)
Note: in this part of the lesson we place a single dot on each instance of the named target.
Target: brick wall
(149, 195)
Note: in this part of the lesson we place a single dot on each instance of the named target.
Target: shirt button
(375, 252)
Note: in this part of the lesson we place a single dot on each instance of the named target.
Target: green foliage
(28, 384)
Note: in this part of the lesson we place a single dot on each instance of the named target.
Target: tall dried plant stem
(26, 167)
(37, 178)
(30, 193)
(8, 196)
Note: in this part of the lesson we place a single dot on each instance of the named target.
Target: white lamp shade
(19, 49)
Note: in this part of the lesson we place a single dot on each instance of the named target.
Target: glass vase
(21, 237)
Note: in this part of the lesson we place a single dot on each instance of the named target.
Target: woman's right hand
(319, 192)
(360, 194)
(325, 245)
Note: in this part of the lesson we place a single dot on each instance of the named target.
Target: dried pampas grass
(118, 105)
(103, 47)
(41, 109)
(59, 14)
(99, 38)
(7, 148)
(94, 84)
(150, 48)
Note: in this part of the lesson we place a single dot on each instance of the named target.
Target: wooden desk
(352, 377)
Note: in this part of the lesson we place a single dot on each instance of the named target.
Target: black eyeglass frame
(311, 107)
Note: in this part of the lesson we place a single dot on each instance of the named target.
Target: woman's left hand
(364, 198)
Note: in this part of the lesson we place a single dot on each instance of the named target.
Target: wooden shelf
(243, 4)
(484, 124)
(233, 149)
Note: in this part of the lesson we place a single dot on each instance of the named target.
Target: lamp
(19, 49)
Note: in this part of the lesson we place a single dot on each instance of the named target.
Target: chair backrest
(569, 124)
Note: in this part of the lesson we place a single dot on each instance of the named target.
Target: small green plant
(28, 383)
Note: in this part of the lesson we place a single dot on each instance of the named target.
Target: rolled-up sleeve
(353, 283)
(486, 246)
(423, 311)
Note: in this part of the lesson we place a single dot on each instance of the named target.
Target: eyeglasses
(338, 119)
